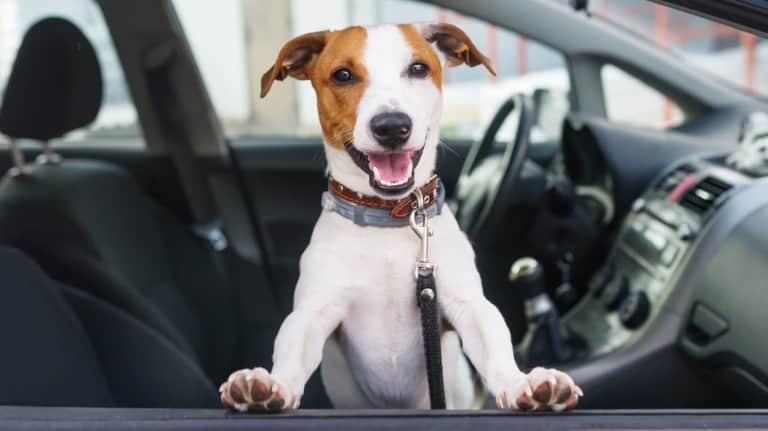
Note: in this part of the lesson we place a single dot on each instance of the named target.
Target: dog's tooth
(394, 183)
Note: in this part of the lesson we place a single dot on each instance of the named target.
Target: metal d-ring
(418, 207)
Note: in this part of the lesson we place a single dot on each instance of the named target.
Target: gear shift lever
(527, 276)
(543, 343)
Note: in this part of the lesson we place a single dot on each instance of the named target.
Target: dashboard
(653, 242)
(687, 270)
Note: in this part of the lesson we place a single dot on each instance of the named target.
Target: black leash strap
(426, 298)
(430, 329)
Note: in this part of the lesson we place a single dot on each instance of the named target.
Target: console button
(668, 216)
(669, 254)
(708, 322)
(655, 239)
(685, 232)
(635, 310)
(647, 244)
(615, 292)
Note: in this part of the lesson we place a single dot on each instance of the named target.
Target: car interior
(135, 278)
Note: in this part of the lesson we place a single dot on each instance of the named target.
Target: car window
(711, 48)
(629, 100)
(117, 117)
(722, 51)
(235, 41)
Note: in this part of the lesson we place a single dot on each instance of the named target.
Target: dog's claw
(256, 391)
(543, 393)
(524, 402)
(541, 390)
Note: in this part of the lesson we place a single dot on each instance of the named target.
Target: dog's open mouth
(390, 172)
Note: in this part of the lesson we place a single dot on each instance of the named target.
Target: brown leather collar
(399, 208)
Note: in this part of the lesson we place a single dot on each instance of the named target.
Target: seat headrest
(55, 84)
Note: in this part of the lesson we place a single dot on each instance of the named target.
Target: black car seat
(88, 224)
(65, 347)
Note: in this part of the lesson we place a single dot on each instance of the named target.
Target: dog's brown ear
(456, 45)
(294, 58)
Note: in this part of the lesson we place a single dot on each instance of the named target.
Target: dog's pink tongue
(392, 168)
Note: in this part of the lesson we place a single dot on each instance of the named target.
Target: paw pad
(541, 390)
(256, 391)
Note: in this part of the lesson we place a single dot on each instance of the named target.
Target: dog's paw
(256, 391)
(540, 390)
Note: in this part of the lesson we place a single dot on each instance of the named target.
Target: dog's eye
(418, 70)
(342, 76)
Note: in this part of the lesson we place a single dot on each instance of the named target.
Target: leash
(426, 298)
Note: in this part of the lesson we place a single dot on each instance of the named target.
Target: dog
(379, 102)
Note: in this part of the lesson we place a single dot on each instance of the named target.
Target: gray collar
(362, 215)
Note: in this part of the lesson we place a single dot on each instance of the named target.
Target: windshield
(737, 57)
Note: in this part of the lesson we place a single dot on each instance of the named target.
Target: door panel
(284, 179)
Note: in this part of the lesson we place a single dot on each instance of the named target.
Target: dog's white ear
(294, 58)
(455, 45)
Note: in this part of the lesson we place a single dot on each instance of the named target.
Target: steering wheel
(486, 184)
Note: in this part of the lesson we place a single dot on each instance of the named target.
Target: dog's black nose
(391, 129)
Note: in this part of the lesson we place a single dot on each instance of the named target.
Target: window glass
(236, 41)
(118, 115)
(727, 53)
(628, 100)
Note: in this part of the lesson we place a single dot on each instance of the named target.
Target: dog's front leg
(487, 341)
(298, 352)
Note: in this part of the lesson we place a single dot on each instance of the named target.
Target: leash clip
(424, 267)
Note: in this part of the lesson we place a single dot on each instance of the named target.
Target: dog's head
(379, 98)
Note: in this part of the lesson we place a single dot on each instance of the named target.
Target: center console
(650, 252)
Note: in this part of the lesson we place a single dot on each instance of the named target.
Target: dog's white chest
(384, 349)
(381, 331)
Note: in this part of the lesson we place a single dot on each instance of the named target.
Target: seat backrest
(61, 350)
(88, 223)
(36, 325)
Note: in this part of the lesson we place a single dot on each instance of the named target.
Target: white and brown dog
(379, 101)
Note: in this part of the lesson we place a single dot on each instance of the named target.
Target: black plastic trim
(36, 418)
(749, 15)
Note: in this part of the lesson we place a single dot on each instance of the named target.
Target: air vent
(704, 194)
(673, 179)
